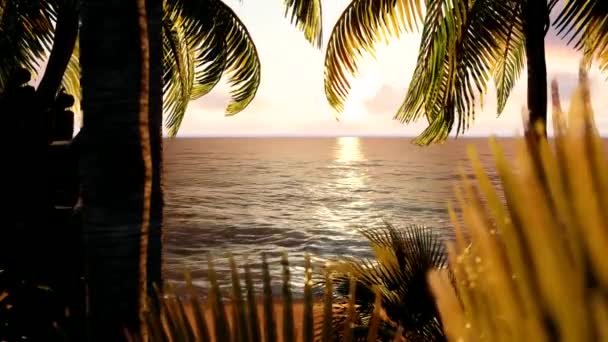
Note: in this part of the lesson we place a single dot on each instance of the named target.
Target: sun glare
(363, 88)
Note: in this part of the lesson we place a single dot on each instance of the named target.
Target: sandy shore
(298, 312)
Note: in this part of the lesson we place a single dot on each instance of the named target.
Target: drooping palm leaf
(306, 15)
(242, 62)
(585, 22)
(207, 41)
(25, 35)
(360, 26)
(461, 44)
(71, 78)
(178, 74)
(510, 61)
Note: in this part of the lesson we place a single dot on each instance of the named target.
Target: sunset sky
(291, 100)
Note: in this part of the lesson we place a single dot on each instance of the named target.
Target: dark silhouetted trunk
(64, 40)
(111, 164)
(536, 16)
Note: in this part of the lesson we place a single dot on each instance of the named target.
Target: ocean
(247, 196)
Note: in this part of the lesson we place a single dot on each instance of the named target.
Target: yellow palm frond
(360, 26)
(463, 42)
(510, 60)
(535, 268)
(586, 23)
(306, 15)
(178, 74)
(202, 42)
(242, 62)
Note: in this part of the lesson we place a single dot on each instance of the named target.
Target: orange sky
(291, 101)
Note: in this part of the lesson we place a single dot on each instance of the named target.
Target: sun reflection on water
(347, 186)
(348, 149)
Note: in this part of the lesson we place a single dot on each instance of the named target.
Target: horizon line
(389, 136)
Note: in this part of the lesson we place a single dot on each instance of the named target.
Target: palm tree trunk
(111, 166)
(535, 12)
(64, 40)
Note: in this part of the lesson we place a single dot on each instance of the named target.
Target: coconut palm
(202, 41)
(465, 43)
(206, 40)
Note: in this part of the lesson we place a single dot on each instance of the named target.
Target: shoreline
(298, 313)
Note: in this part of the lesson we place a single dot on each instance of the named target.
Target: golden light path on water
(347, 180)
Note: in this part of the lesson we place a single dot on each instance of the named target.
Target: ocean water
(247, 196)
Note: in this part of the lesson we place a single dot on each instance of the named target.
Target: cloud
(387, 100)
(218, 99)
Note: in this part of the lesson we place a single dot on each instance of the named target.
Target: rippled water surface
(246, 196)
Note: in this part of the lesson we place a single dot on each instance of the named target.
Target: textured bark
(535, 20)
(112, 170)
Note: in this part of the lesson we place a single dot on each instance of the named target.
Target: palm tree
(465, 43)
(207, 39)
(112, 168)
(202, 41)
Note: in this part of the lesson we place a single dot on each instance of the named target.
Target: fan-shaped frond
(362, 24)
(26, 32)
(586, 23)
(306, 15)
(398, 274)
(461, 43)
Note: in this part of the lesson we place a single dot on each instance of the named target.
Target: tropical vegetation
(396, 279)
(120, 60)
(546, 264)
(465, 44)
(202, 41)
(533, 274)
(508, 280)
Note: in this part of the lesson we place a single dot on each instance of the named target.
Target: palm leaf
(517, 282)
(510, 62)
(398, 275)
(178, 74)
(360, 26)
(288, 321)
(585, 22)
(242, 61)
(26, 34)
(306, 15)
(461, 44)
(71, 78)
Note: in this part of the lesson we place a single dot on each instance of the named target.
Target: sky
(291, 99)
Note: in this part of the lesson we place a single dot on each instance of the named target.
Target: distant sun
(363, 88)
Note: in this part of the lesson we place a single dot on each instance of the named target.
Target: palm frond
(510, 61)
(178, 74)
(242, 62)
(71, 78)
(585, 22)
(461, 43)
(360, 26)
(190, 319)
(26, 33)
(398, 275)
(307, 16)
(515, 281)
